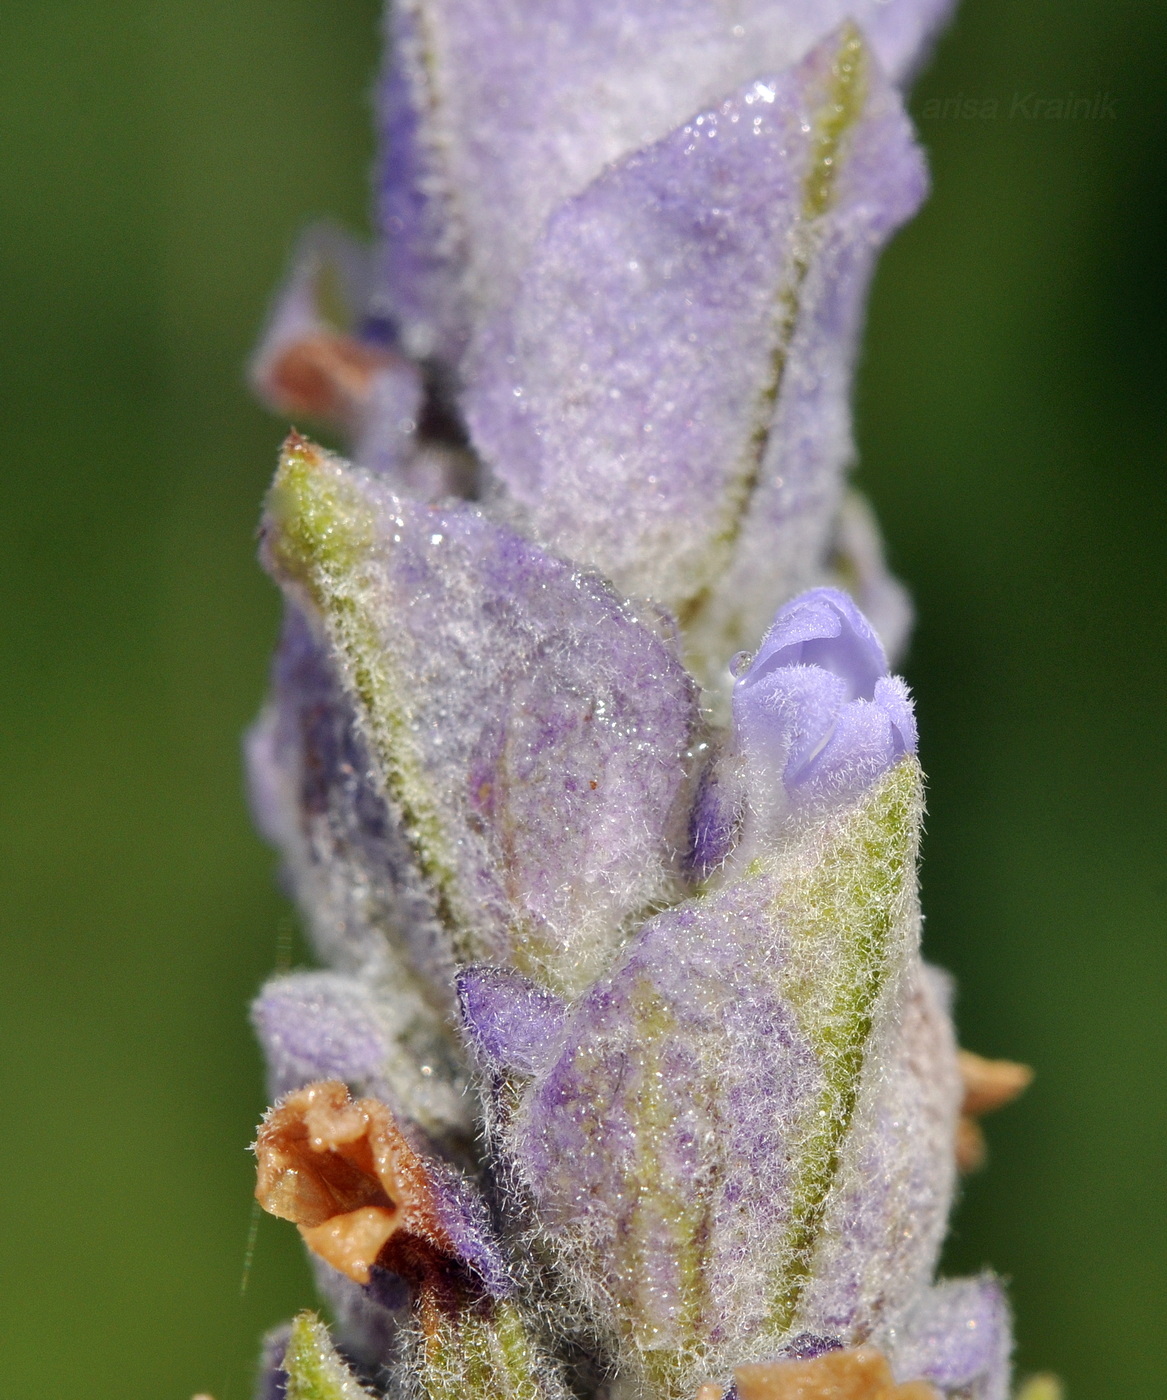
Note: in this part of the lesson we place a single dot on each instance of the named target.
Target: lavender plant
(625, 1076)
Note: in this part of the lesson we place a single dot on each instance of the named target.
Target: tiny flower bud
(383, 1040)
(318, 1025)
(817, 718)
(312, 1368)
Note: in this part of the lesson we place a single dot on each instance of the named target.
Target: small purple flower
(816, 710)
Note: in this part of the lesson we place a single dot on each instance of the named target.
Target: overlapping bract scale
(958, 1336)
(888, 1210)
(745, 1129)
(317, 798)
(379, 1020)
(526, 729)
(493, 115)
(666, 396)
(378, 1035)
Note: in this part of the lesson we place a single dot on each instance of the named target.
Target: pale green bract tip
(314, 1370)
(851, 917)
(841, 110)
(317, 526)
(320, 536)
(485, 1352)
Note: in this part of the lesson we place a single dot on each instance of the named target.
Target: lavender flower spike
(623, 1077)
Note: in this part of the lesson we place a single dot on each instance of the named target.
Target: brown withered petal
(342, 1171)
(990, 1084)
(859, 1374)
(971, 1149)
(325, 375)
(352, 1242)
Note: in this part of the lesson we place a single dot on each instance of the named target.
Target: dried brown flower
(988, 1085)
(345, 1174)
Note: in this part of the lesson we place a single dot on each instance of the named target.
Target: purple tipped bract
(511, 1023)
(958, 1337)
(317, 1025)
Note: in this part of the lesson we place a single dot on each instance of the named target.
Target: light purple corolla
(623, 1075)
(817, 718)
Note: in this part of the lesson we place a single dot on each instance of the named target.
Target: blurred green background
(157, 159)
